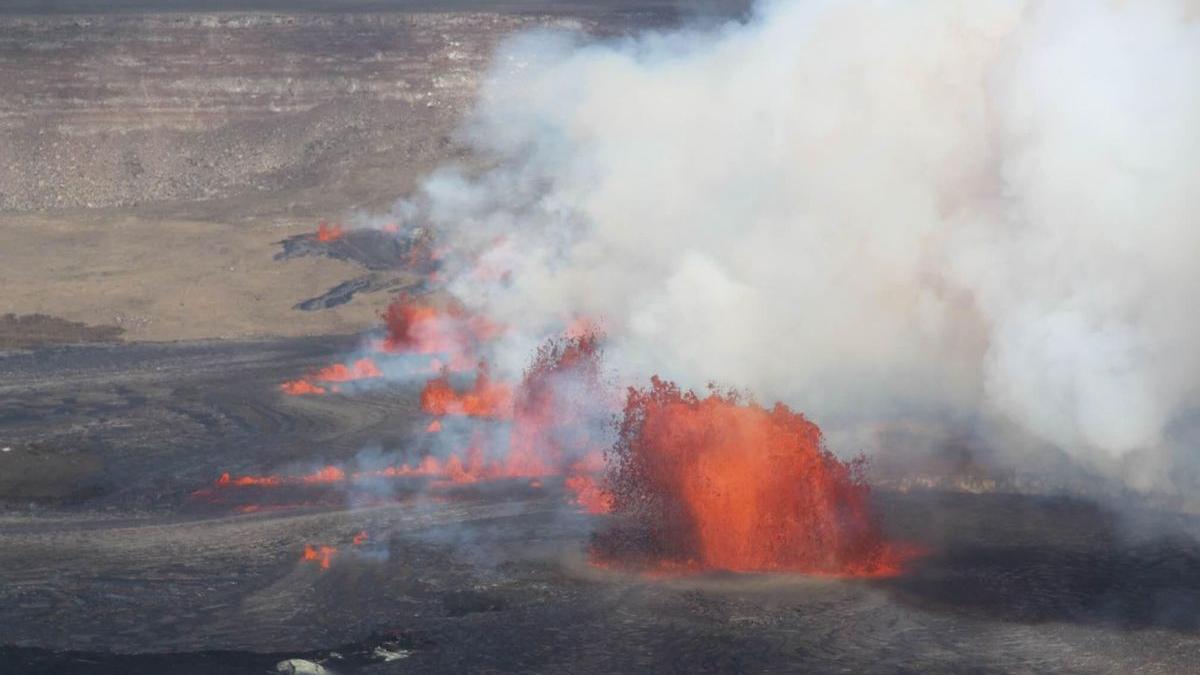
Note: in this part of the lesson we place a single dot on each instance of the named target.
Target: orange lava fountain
(328, 474)
(716, 483)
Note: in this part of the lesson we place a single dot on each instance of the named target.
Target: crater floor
(111, 562)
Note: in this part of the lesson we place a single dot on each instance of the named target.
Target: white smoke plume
(875, 209)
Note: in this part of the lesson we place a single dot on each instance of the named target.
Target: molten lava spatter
(327, 232)
(449, 332)
(589, 495)
(716, 483)
(561, 416)
(485, 398)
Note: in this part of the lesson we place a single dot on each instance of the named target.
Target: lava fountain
(698, 483)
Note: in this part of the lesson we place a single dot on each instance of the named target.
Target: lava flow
(558, 425)
(716, 483)
(328, 474)
(362, 369)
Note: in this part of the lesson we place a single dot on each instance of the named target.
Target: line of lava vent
(689, 483)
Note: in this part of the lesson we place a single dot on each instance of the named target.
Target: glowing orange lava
(559, 415)
(715, 483)
(300, 387)
(322, 555)
(328, 474)
(485, 398)
(417, 326)
(327, 232)
(588, 494)
(362, 369)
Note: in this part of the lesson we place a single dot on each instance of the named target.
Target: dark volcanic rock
(462, 603)
(406, 253)
(345, 291)
(373, 249)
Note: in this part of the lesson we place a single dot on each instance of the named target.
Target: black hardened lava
(390, 255)
(370, 248)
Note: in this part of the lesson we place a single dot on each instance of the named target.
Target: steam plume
(964, 210)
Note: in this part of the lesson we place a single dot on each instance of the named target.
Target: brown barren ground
(149, 160)
(170, 279)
